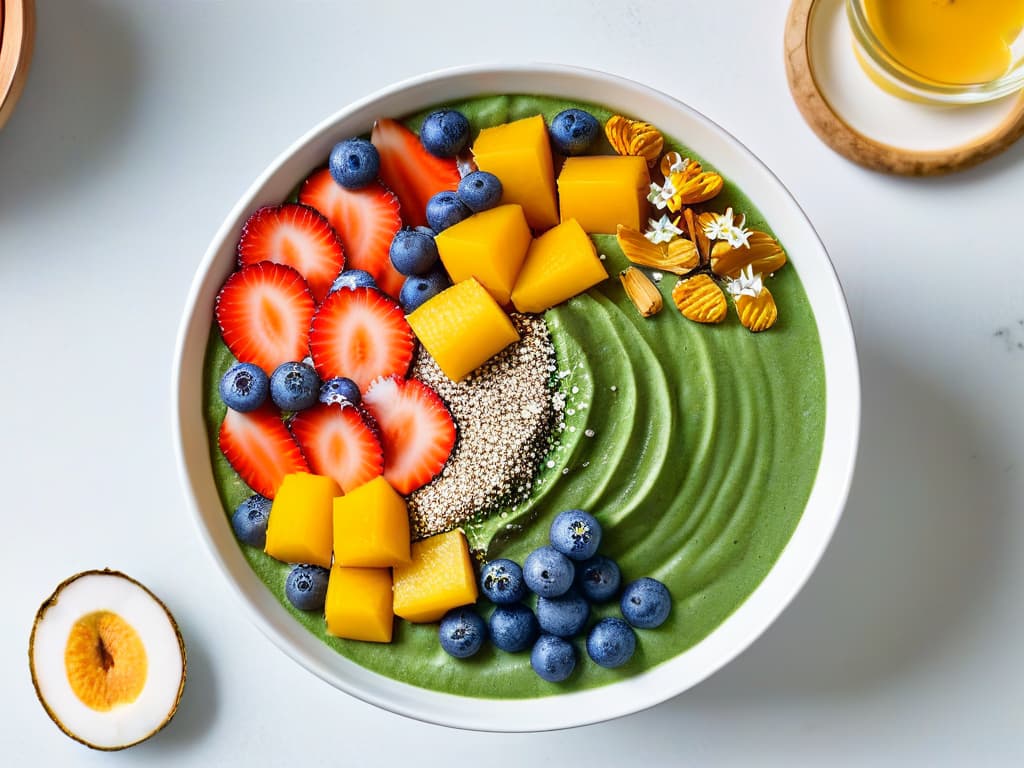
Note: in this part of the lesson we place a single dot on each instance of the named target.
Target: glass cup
(944, 51)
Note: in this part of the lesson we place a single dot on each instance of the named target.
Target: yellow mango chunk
(489, 246)
(560, 264)
(439, 577)
(301, 522)
(519, 153)
(371, 526)
(462, 328)
(604, 191)
(358, 604)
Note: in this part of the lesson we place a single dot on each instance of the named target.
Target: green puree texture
(706, 441)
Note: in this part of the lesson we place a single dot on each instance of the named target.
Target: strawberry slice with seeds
(361, 334)
(264, 311)
(297, 236)
(366, 221)
(260, 448)
(417, 431)
(410, 171)
(340, 443)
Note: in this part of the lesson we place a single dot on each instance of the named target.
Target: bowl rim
(754, 615)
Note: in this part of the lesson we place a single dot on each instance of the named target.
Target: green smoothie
(695, 446)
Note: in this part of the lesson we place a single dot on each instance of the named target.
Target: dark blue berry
(340, 390)
(513, 627)
(564, 616)
(306, 587)
(419, 288)
(249, 521)
(445, 209)
(294, 386)
(611, 643)
(576, 534)
(646, 603)
(462, 632)
(553, 658)
(480, 190)
(574, 131)
(598, 579)
(413, 252)
(502, 582)
(354, 163)
(352, 279)
(445, 133)
(244, 387)
(548, 572)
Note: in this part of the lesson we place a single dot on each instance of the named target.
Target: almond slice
(641, 291)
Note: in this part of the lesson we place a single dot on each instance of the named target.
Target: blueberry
(480, 190)
(548, 572)
(576, 534)
(445, 209)
(462, 632)
(611, 643)
(413, 252)
(340, 390)
(354, 163)
(294, 386)
(553, 658)
(513, 627)
(249, 521)
(352, 279)
(445, 133)
(244, 387)
(564, 616)
(646, 603)
(598, 579)
(574, 131)
(501, 581)
(306, 587)
(419, 288)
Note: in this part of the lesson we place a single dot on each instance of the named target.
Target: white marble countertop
(141, 125)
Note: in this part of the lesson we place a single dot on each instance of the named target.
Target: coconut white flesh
(125, 724)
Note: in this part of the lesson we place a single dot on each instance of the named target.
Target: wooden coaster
(17, 36)
(863, 149)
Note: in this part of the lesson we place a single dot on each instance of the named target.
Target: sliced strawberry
(416, 430)
(410, 171)
(338, 442)
(260, 448)
(264, 311)
(361, 334)
(366, 221)
(297, 236)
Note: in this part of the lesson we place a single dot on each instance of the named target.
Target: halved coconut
(107, 660)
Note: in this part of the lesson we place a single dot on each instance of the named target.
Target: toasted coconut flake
(634, 137)
(641, 291)
(700, 299)
(679, 256)
(764, 255)
(757, 313)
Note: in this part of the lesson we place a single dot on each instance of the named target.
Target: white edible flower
(659, 196)
(747, 284)
(662, 230)
(679, 165)
(722, 227)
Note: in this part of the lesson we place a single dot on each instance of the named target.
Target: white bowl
(794, 565)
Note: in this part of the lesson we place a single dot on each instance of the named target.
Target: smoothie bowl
(670, 352)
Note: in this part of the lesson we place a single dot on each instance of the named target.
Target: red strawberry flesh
(260, 448)
(339, 443)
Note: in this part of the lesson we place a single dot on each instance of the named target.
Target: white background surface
(143, 122)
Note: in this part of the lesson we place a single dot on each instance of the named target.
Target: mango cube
(439, 577)
(560, 264)
(519, 153)
(371, 526)
(603, 191)
(301, 522)
(462, 327)
(489, 246)
(358, 604)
